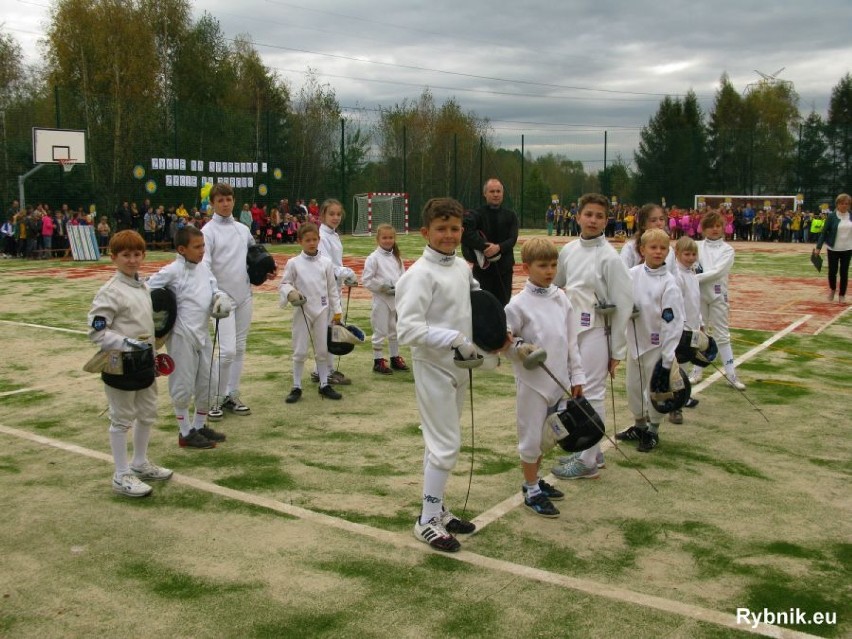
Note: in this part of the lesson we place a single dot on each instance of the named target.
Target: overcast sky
(561, 73)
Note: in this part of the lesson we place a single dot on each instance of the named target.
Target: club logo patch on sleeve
(668, 315)
(99, 323)
(585, 319)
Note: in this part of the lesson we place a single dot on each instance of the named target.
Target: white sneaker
(435, 534)
(151, 472)
(215, 414)
(696, 375)
(600, 460)
(830, 296)
(733, 381)
(841, 299)
(129, 485)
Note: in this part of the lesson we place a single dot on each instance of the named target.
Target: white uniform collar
(539, 291)
(439, 258)
(180, 259)
(219, 219)
(311, 258)
(132, 281)
(709, 242)
(595, 241)
(327, 228)
(656, 272)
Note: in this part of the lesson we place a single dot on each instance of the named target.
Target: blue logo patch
(668, 315)
(585, 319)
(99, 323)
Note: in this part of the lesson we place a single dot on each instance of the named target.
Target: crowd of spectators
(742, 223)
(41, 232)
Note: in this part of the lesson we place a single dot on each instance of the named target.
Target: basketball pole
(21, 180)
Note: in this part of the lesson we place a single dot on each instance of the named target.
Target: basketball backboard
(52, 146)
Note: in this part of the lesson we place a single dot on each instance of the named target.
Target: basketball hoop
(67, 165)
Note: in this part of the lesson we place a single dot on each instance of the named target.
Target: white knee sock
(393, 347)
(141, 437)
(118, 444)
(200, 420)
(434, 483)
(298, 369)
(726, 354)
(182, 415)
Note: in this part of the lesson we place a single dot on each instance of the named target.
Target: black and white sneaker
(435, 534)
(632, 434)
(551, 492)
(648, 442)
(456, 525)
(233, 404)
(215, 414)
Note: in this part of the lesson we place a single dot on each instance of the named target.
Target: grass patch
(809, 594)
(9, 465)
(258, 478)
(172, 584)
(303, 624)
(399, 521)
(786, 549)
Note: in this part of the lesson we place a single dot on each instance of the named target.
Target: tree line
(147, 80)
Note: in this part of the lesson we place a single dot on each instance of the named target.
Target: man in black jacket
(488, 241)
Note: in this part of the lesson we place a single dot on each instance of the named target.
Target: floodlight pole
(21, 179)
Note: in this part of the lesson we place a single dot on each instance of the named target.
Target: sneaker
(294, 396)
(212, 435)
(733, 381)
(315, 377)
(696, 375)
(634, 433)
(676, 417)
(575, 469)
(195, 440)
(830, 296)
(215, 414)
(648, 442)
(551, 492)
(600, 460)
(841, 299)
(398, 364)
(151, 472)
(456, 525)
(691, 403)
(338, 379)
(434, 534)
(130, 486)
(380, 365)
(233, 404)
(329, 393)
(541, 505)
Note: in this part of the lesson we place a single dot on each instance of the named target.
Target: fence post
(343, 165)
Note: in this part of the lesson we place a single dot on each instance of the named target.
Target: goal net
(765, 202)
(373, 209)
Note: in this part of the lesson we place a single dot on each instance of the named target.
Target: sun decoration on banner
(277, 173)
(262, 189)
(138, 171)
(151, 186)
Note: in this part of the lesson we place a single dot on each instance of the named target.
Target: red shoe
(398, 364)
(380, 365)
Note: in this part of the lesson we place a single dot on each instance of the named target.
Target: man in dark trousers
(488, 241)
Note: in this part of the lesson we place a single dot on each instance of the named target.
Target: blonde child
(650, 216)
(716, 257)
(433, 304)
(331, 214)
(121, 320)
(654, 335)
(189, 344)
(686, 254)
(382, 268)
(540, 316)
(308, 284)
(598, 287)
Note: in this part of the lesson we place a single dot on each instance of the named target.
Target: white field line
(832, 320)
(17, 392)
(48, 328)
(400, 540)
(754, 351)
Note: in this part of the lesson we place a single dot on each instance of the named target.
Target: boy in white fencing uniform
(189, 343)
(716, 257)
(382, 268)
(226, 243)
(308, 284)
(433, 304)
(598, 286)
(654, 335)
(540, 316)
(121, 321)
